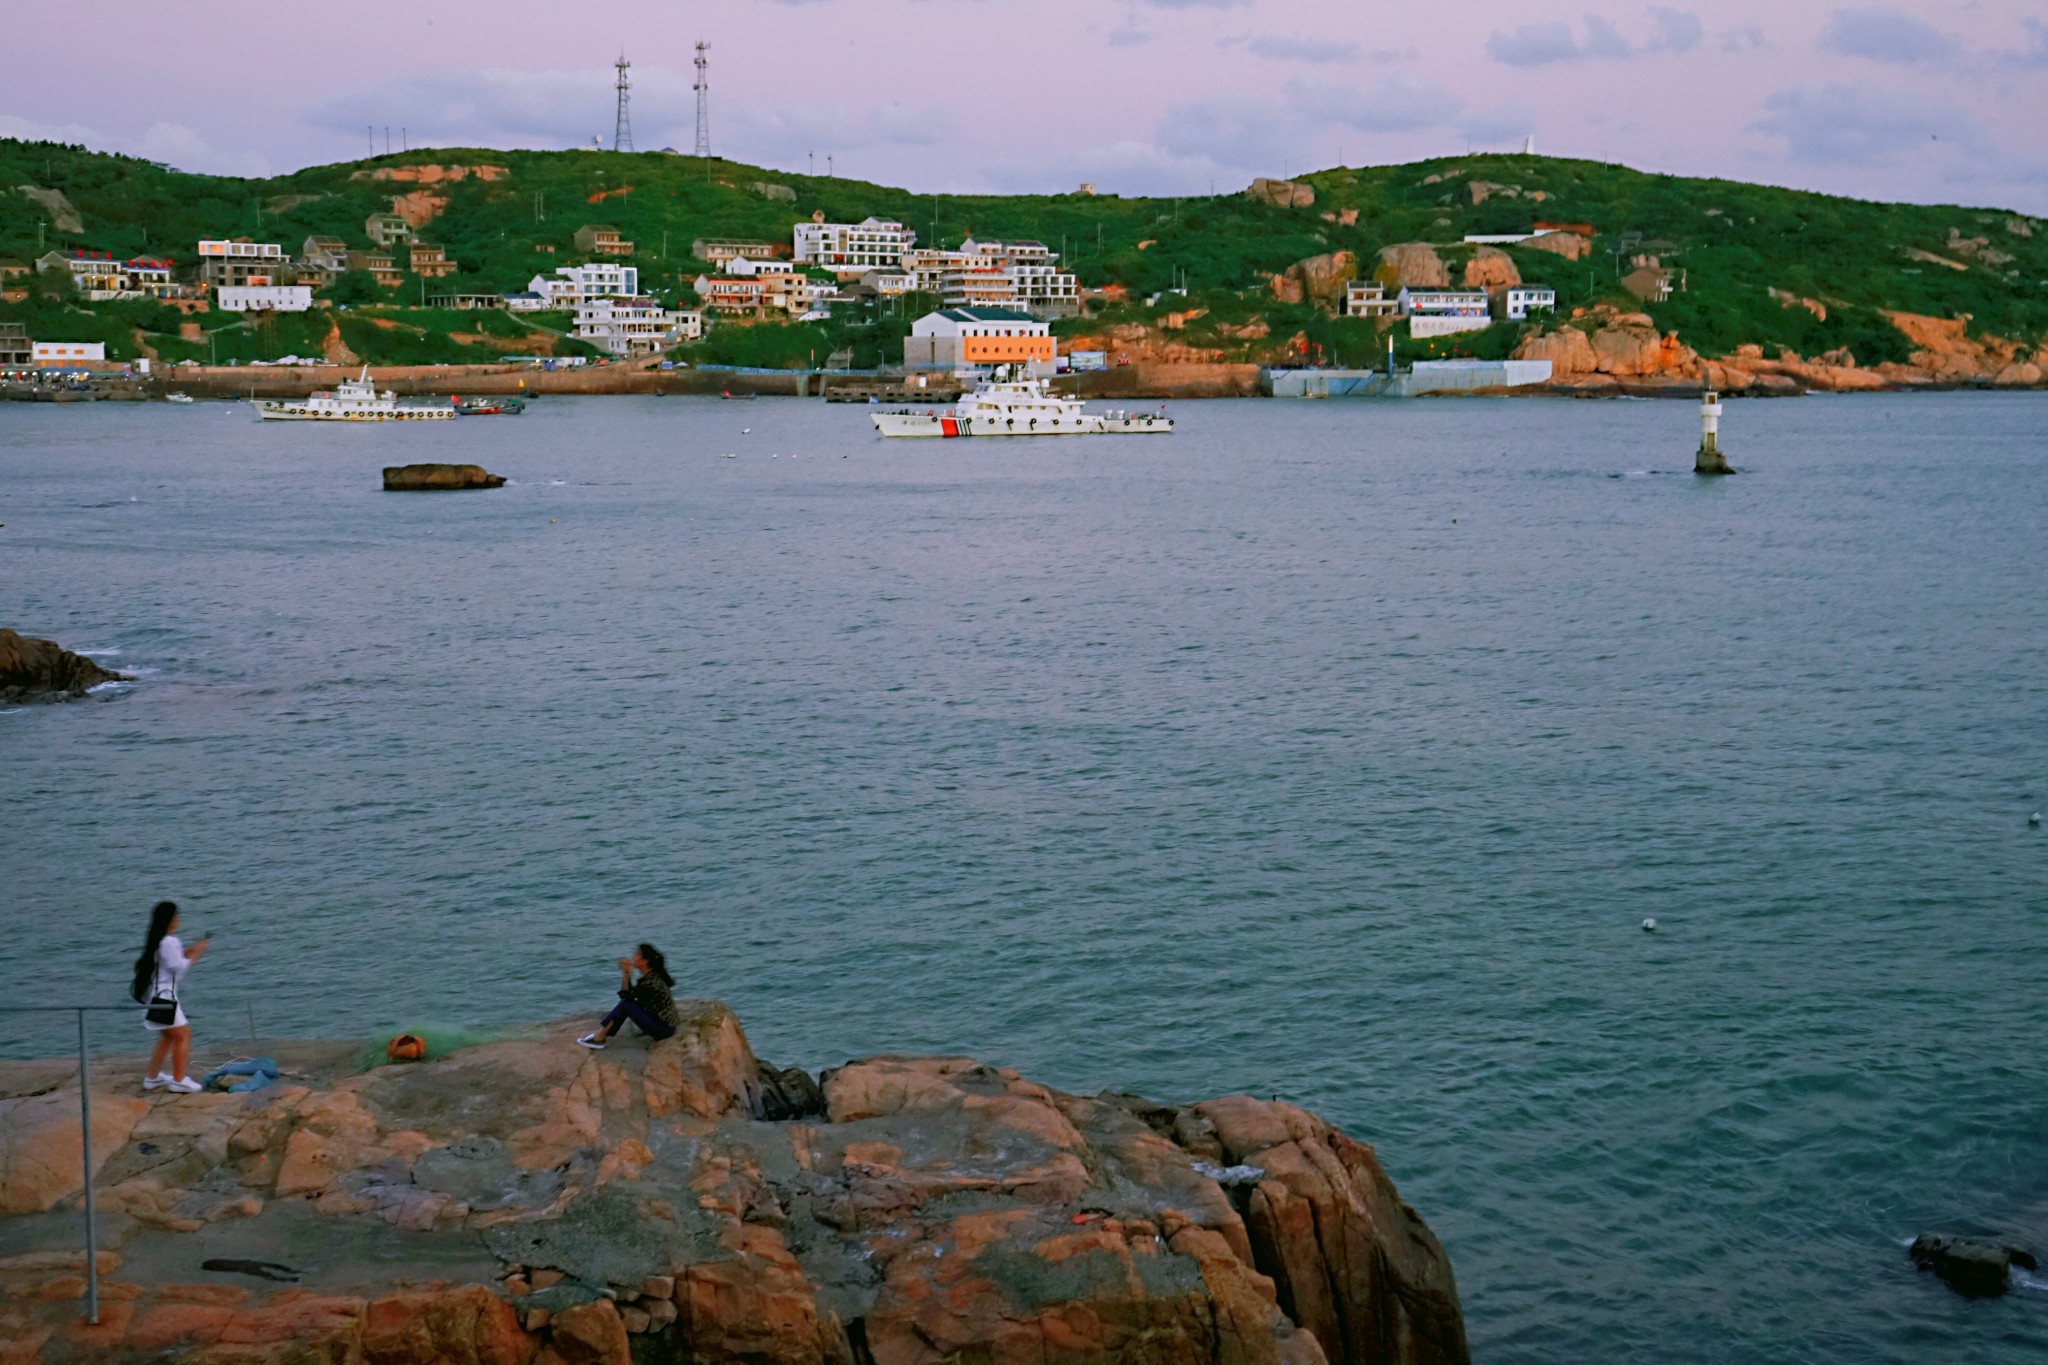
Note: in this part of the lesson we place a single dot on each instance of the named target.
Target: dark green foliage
(1733, 241)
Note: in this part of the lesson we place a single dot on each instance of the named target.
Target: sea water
(1333, 751)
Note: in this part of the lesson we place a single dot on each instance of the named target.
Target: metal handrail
(92, 1240)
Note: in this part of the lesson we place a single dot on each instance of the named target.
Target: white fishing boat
(1014, 405)
(177, 398)
(353, 400)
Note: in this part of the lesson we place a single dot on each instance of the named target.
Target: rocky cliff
(528, 1201)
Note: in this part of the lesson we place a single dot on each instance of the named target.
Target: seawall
(525, 1199)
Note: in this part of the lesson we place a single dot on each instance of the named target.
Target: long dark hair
(657, 965)
(160, 917)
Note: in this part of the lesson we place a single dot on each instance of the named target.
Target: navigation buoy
(1650, 925)
(1709, 459)
(2034, 819)
(746, 431)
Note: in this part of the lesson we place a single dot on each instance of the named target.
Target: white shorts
(178, 1022)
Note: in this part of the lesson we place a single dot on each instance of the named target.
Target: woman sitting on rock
(646, 1002)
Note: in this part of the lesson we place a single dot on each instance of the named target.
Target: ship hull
(936, 425)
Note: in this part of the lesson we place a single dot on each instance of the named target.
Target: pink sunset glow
(1930, 102)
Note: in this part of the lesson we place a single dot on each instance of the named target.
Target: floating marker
(1709, 459)
(1650, 925)
(2034, 819)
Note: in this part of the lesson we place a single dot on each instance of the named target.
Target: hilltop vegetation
(1756, 258)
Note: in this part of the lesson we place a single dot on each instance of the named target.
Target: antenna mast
(703, 89)
(622, 132)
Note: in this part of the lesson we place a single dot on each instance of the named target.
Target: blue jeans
(644, 1021)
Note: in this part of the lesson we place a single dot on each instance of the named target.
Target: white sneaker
(590, 1041)
(184, 1085)
(156, 1082)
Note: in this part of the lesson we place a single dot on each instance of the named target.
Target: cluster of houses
(1440, 312)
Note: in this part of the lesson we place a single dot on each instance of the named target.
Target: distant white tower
(622, 131)
(1529, 145)
(703, 89)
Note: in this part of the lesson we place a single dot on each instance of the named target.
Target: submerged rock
(1974, 1269)
(433, 478)
(33, 669)
(527, 1200)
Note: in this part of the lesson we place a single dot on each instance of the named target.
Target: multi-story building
(978, 340)
(718, 252)
(600, 239)
(15, 347)
(1439, 312)
(329, 254)
(387, 229)
(1517, 301)
(625, 326)
(1368, 299)
(733, 295)
(429, 262)
(240, 262)
(762, 290)
(380, 265)
(850, 250)
(571, 285)
(995, 274)
(263, 298)
(152, 278)
(47, 355)
(94, 274)
(970, 284)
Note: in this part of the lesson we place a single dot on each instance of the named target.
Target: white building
(573, 285)
(1520, 300)
(1368, 299)
(238, 263)
(979, 341)
(627, 326)
(263, 298)
(850, 250)
(526, 301)
(1439, 312)
(49, 354)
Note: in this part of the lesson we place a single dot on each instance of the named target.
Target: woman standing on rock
(159, 974)
(646, 1002)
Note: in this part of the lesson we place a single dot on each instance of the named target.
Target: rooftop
(986, 315)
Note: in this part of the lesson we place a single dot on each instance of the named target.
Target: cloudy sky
(1932, 101)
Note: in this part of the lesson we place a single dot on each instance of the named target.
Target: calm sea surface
(1328, 750)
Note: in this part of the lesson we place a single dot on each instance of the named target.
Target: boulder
(1317, 280)
(1974, 1269)
(1491, 268)
(1567, 350)
(1569, 245)
(789, 1093)
(41, 1144)
(1411, 264)
(33, 669)
(433, 478)
(1281, 194)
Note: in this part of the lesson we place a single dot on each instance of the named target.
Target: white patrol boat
(353, 400)
(1012, 405)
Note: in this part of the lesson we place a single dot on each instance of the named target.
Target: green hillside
(1736, 243)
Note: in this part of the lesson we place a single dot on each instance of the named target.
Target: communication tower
(622, 131)
(703, 89)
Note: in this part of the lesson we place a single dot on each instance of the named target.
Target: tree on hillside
(355, 287)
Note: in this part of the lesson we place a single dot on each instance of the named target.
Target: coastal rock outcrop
(432, 478)
(1975, 1269)
(1413, 265)
(32, 669)
(526, 1202)
(1569, 245)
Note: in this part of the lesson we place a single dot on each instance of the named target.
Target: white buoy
(1709, 459)
(2034, 819)
(1650, 925)
(746, 431)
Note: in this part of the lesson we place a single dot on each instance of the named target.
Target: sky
(1931, 102)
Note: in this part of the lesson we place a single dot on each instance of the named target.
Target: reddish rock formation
(1491, 268)
(1318, 280)
(1569, 245)
(529, 1203)
(33, 669)
(431, 174)
(1412, 264)
(1282, 194)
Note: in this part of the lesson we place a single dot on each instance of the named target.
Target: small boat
(506, 405)
(353, 400)
(1014, 405)
(728, 393)
(177, 398)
